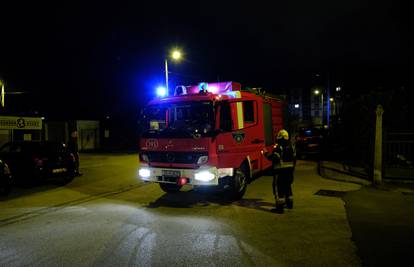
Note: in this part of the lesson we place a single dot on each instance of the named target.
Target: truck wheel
(238, 184)
(170, 188)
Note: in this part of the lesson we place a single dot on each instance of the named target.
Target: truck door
(239, 138)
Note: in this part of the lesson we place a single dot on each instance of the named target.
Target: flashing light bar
(214, 88)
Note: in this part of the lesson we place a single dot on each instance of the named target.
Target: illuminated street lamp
(333, 103)
(176, 55)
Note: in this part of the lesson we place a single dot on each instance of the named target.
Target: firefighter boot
(280, 203)
(279, 208)
(289, 203)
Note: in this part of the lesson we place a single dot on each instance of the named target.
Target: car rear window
(54, 147)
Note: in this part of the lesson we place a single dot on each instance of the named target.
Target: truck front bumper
(201, 176)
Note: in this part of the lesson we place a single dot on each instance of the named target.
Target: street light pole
(175, 55)
(166, 76)
(322, 107)
(328, 102)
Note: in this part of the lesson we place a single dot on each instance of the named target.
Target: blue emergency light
(161, 91)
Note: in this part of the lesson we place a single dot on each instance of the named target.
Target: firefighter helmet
(283, 134)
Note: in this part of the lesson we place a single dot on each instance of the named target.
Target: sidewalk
(381, 217)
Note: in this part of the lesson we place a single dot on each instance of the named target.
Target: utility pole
(378, 146)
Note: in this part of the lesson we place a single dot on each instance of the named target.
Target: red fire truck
(210, 134)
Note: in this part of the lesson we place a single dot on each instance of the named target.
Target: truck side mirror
(217, 132)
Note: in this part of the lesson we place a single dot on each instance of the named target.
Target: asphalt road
(382, 224)
(107, 217)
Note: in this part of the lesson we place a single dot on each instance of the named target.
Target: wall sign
(20, 123)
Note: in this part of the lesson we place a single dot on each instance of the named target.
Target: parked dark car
(309, 141)
(5, 179)
(33, 162)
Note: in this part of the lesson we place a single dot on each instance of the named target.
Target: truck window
(226, 123)
(244, 114)
(248, 112)
(181, 119)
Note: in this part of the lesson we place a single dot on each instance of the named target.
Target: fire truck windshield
(177, 120)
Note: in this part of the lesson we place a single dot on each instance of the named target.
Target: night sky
(92, 60)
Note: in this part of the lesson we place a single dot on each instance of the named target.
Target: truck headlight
(144, 172)
(202, 160)
(204, 176)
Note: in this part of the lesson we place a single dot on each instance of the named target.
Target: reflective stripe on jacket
(280, 159)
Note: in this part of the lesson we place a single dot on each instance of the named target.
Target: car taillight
(38, 161)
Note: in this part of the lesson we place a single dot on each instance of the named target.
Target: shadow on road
(21, 189)
(193, 198)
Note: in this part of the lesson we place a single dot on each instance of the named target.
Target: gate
(398, 156)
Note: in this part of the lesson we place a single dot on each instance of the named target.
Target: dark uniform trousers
(282, 185)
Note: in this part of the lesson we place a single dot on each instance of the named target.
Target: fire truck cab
(210, 134)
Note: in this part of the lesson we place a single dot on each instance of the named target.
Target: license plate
(59, 170)
(171, 173)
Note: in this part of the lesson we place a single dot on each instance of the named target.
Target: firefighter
(283, 158)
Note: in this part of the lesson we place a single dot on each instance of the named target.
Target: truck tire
(238, 184)
(170, 188)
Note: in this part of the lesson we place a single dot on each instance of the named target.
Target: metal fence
(398, 156)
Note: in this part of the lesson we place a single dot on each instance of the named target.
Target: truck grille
(175, 157)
